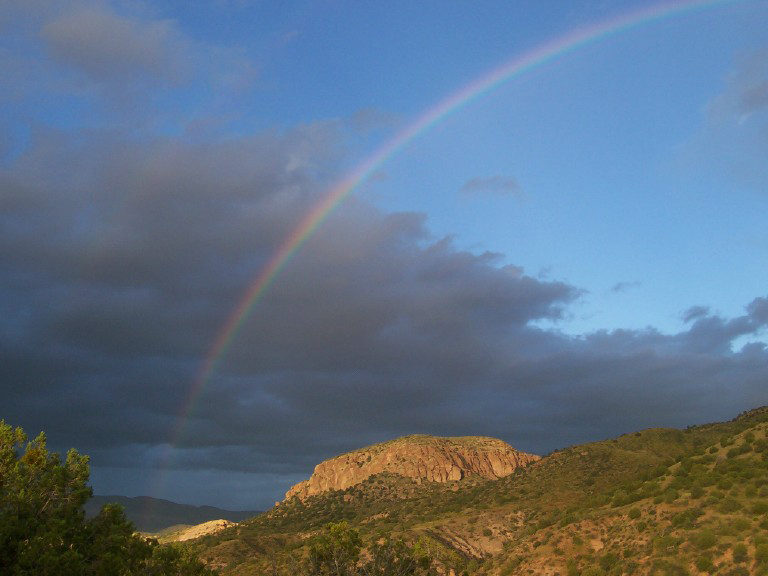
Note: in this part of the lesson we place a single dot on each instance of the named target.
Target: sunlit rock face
(429, 458)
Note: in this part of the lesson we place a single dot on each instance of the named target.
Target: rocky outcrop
(196, 531)
(421, 457)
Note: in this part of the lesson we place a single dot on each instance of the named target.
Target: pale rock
(420, 457)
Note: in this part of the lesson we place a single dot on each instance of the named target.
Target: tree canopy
(43, 528)
(337, 552)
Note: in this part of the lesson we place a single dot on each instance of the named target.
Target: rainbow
(510, 69)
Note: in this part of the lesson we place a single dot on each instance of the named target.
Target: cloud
(496, 185)
(129, 257)
(112, 48)
(117, 63)
(132, 246)
(694, 313)
(370, 119)
(732, 142)
(624, 286)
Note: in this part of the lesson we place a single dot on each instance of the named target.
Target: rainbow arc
(510, 69)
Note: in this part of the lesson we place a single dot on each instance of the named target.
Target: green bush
(725, 484)
(696, 491)
(739, 553)
(729, 505)
(741, 524)
(608, 561)
(670, 495)
(761, 553)
(43, 529)
(668, 568)
(687, 518)
(665, 544)
(704, 539)
(705, 564)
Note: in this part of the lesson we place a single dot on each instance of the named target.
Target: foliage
(583, 509)
(43, 529)
(337, 552)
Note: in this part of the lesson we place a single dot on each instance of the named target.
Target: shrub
(725, 484)
(687, 518)
(704, 539)
(741, 524)
(705, 564)
(668, 568)
(609, 561)
(761, 553)
(739, 553)
(43, 529)
(665, 544)
(697, 491)
(671, 495)
(729, 505)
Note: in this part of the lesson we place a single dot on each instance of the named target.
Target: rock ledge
(430, 458)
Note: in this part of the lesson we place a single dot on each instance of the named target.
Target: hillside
(153, 515)
(660, 501)
(421, 457)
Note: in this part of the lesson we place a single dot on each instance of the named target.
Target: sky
(239, 237)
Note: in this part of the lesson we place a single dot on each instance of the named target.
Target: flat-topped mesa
(423, 457)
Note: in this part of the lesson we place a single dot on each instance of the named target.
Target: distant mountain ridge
(153, 515)
(421, 457)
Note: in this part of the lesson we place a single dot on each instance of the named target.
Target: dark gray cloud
(694, 312)
(127, 249)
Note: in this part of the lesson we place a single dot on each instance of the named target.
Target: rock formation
(421, 457)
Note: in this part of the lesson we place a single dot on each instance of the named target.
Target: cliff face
(428, 458)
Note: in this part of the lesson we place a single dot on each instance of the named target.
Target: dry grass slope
(661, 501)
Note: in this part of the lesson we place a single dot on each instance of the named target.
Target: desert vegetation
(660, 501)
(653, 502)
(43, 529)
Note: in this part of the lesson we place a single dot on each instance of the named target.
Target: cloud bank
(128, 245)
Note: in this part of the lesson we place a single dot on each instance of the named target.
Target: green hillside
(660, 501)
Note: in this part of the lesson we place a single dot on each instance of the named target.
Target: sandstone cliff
(422, 457)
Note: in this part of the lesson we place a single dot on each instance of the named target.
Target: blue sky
(577, 253)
